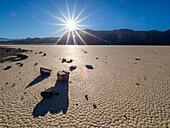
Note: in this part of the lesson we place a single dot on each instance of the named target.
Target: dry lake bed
(109, 86)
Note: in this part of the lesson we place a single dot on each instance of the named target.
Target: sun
(71, 25)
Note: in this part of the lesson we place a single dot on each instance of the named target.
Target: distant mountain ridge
(5, 39)
(115, 37)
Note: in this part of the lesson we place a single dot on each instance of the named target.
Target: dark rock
(19, 48)
(64, 60)
(137, 59)
(6, 83)
(86, 96)
(40, 52)
(20, 64)
(35, 64)
(47, 93)
(72, 68)
(22, 56)
(85, 52)
(63, 76)
(137, 83)
(89, 66)
(36, 53)
(70, 61)
(45, 71)
(125, 116)
(22, 98)
(24, 92)
(97, 58)
(76, 104)
(13, 85)
(8, 67)
(94, 106)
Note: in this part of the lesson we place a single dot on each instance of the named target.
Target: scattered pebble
(86, 96)
(85, 52)
(89, 66)
(137, 59)
(20, 64)
(13, 85)
(35, 64)
(40, 52)
(24, 92)
(6, 83)
(22, 98)
(97, 58)
(94, 106)
(76, 104)
(137, 84)
(125, 116)
(72, 68)
(44, 54)
(7, 68)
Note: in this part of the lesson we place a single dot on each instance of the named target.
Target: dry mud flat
(128, 86)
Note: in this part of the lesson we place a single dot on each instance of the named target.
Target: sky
(36, 18)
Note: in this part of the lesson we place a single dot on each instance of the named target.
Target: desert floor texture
(127, 87)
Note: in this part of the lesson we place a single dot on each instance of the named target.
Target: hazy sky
(29, 18)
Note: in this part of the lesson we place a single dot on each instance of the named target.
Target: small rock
(22, 98)
(24, 92)
(40, 52)
(20, 64)
(76, 104)
(63, 76)
(72, 68)
(36, 53)
(97, 58)
(6, 83)
(19, 48)
(35, 64)
(8, 67)
(137, 83)
(44, 54)
(70, 61)
(63, 60)
(137, 59)
(89, 66)
(45, 71)
(94, 106)
(86, 96)
(85, 52)
(125, 116)
(31, 51)
(13, 85)
(47, 93)
(70, 82)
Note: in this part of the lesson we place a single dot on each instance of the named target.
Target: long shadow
(37, 80)
(56, 103)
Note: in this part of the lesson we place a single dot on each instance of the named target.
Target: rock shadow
(37, 80)
(57, 103)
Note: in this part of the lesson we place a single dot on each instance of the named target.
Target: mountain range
(93, 37)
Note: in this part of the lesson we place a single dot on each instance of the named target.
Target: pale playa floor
(111, 85)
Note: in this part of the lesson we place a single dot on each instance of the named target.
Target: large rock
(63, 76)
(47, 93)
(45, 71)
